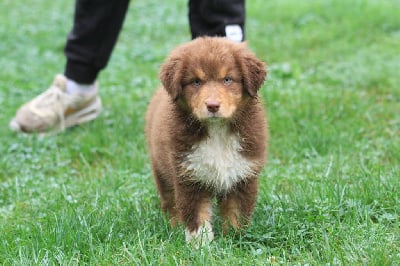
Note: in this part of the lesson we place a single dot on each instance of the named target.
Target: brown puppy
(206, 133)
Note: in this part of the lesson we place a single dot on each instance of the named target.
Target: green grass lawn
(330, 194)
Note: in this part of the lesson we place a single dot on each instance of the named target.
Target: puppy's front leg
(237, 206)
(195, 208)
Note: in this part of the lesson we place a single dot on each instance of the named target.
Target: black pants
(97, 24)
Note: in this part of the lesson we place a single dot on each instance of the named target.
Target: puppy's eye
(227, 80)
(196, 83)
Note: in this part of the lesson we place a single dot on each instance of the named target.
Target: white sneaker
(54, 110)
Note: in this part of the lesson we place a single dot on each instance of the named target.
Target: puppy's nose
(212, 105)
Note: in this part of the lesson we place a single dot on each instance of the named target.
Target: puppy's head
(212, 76)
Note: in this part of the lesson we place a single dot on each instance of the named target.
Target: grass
(330, 194)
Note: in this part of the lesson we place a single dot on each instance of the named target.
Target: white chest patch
(216, 161)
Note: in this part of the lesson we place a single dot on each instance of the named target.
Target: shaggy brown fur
(206, 133)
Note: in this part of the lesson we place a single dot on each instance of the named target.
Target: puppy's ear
(170, 76)
(254, 71)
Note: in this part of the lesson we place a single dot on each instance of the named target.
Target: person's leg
(72, 98)
(217, 18)
(97, 24)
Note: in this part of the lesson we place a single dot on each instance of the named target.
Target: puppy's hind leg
(167, 197)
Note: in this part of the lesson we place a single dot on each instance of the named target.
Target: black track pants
(97, 24)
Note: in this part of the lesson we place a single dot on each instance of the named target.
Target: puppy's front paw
(200, 237)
